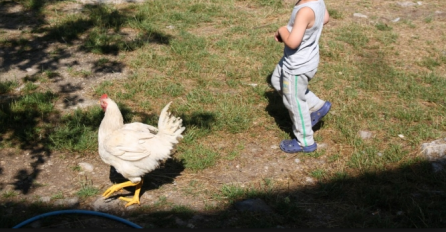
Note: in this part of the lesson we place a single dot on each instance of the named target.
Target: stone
(69, 202)
(322, 146)
(437, 167)
(435, 150)
(107, 205)
(45, 199)
(359, 15)
(406, 4)
(309, 180)
(86, 166)
(253, 205)
(365, 134)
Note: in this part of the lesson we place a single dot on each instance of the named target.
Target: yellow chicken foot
(135, 199)
(117, 187)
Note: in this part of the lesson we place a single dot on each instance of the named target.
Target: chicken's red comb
(104, 96)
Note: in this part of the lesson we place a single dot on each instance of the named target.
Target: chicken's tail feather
(170, 126)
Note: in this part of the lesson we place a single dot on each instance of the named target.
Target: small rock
(322, 146)
(309, 180)
(86, 166)
(106, 205)
(359, 15)
(437, 167)
(435, 150)
(20, 88)
(69, 202)
(253, 205)
(365, 134)
(45, 199)
(406, 4)
(197, 217)
(180, 222)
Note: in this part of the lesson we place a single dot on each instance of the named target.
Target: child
(296, 68)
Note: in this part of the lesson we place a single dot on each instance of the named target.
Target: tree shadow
(20, 128)
(409, 196)
(102, 26)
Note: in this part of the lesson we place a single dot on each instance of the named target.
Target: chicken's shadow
(164, 174)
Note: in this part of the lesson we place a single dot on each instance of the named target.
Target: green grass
(58, 195)
(87, 189)
(213, 60)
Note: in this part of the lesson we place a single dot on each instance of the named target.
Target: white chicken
(135, 149)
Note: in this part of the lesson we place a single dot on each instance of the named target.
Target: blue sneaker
(292, 146)
(316, 116)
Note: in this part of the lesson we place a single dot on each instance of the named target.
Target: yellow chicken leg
(135, 199)
(117, 187)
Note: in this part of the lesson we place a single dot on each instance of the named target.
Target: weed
(7, 86)
(76, 168)
(58, 195)
(9, 194)
(87, 188)
(318, 173)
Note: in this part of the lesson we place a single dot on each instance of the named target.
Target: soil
(39, 176)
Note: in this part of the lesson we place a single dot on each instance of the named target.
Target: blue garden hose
(78, 211)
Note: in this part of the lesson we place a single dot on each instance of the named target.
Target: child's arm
(326, 17)
(304, 17)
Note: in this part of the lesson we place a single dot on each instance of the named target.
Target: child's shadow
(164, 174)
(277, 110)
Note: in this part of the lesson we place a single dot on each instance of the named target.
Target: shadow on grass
(101, 25)
(411, 196)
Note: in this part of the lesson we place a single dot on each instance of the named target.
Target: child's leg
(276, 77)
(318, 108)
(313, 101)
(294, 98)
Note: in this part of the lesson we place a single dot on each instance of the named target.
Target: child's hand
(278, 37)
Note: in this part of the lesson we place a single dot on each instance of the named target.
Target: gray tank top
(305, 58)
